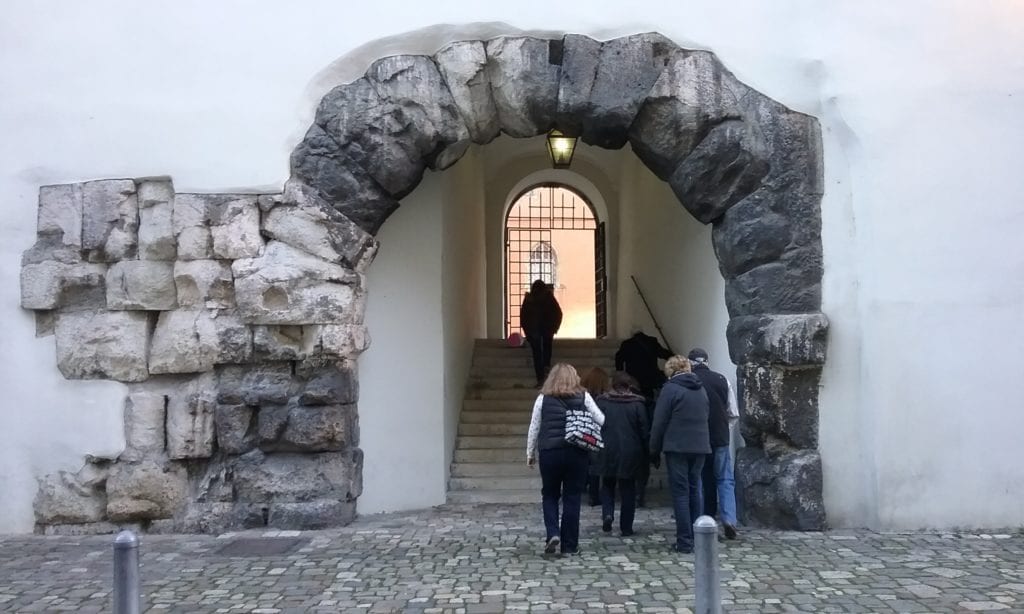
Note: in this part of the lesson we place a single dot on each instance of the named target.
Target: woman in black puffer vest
(563, 467)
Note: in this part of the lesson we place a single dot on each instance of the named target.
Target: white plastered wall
(920, 108)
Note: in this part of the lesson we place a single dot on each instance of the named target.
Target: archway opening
(552, 234)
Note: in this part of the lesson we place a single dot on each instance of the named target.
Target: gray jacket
(681, 417)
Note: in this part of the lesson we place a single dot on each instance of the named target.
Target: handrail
(651, 313)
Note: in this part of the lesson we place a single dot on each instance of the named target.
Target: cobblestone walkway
(487, 559)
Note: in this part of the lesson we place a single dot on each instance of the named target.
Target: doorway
(552, 233)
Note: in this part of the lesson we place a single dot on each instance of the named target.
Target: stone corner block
(147, 490)
(103, 345)
(141, 285)
(789, 339)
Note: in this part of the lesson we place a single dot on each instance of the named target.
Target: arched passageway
(252, 367)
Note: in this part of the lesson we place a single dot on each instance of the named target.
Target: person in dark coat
(625, 433)
(563, 466)
(717, 480)
(540, 318)
(596, 382)
(680, 430)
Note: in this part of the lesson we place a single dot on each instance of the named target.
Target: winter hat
(698, 356)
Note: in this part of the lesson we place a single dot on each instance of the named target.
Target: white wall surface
(920, 108)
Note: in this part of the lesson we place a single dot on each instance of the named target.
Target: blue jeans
(684, 480)
(627, 493)
(563, 475)
(725, 482)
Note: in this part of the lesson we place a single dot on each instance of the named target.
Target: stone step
(527, 382)
(569, 355)
(520, 394)
(512, 405)
(499, 455)
(480, 372)
(475, 429)
(490, 442)
(526, 362)
(495, 415)
(494, 496)
(563, 342)
(496, 483)
(478, 470)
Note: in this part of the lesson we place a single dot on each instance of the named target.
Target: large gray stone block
(793, 143)
(524, 73)
(780, 491)
(141, 285)
(70, 287)
(147, 490)
(204, 283)
(303, 428)
(236, 427)
(190, 221)
(781, 402)
(193, 341)
(72, 498)
(60, 213)
(312, 515)
(791, 339)
(190, 419)
(110, 220)
(463, 65)
(156, 226)
(288, 286)
(330, 385)
(264, 478)
(256, 385)
(103, 345)
(789, 285)
(144, 425)
(235, 227)
(755, 231)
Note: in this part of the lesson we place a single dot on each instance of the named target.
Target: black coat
(681, 417)
(717, 388)
(540, 314)
(639, 356)
(625, 433)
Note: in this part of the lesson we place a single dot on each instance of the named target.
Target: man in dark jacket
(680, 430)
(717, 479)
(540, 317)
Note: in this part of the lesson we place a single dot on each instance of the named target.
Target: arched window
(543, 264)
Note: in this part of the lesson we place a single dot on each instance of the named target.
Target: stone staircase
(489, 464)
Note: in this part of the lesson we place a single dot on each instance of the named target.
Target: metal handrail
(651, 313)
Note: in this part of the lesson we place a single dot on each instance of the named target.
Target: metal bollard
(126, 573)
(705, 566)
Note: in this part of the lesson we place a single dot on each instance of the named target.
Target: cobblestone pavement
(488, 559)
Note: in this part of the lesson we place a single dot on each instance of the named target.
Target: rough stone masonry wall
(236, 319)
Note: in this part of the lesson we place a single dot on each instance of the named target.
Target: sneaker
(552, 545)
(606, 526)
(682, 550)
(730, 531)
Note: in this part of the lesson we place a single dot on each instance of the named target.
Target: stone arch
(238, 318)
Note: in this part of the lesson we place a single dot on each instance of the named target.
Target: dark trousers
(709, 486)
(540, 345)
(594, 489)
(563, 475)
(684, 480)
(627, 494)
(644, 476)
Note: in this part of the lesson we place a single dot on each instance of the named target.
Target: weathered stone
(265, 384)
(187, 341)
(190, 221)
(780, 491)
(110, 220)
(728, 164)
(103, 345)
(343, 341)
(463, 65)
(330, 385)
(146, 490)
(144, 425)
(204, 283)
(156, 225)
(302, 428)
(524, 73)
(68, 498)
(142, 285)
(791, 285)
(320, 161)
(51, 248)
(305, 221)
(190, 419)
(686, 101)
(46, 323)
(235, 227)
(70, 287)
(60, 213)
(312, 515)
(288, 286)
(264, 478)
(603, 95)
(235, 427)
(781, 401)
(753, 232)
(282, 342)
(796, 339)
(792, 141)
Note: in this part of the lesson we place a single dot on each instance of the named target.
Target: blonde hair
(595, 381)
(563, 381)
(677, 364)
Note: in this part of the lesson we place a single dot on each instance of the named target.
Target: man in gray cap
(717, 479)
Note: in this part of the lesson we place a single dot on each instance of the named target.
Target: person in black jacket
(680, 430)
(625, 433)
(540, 317)
(563, 467)
(717, 479)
